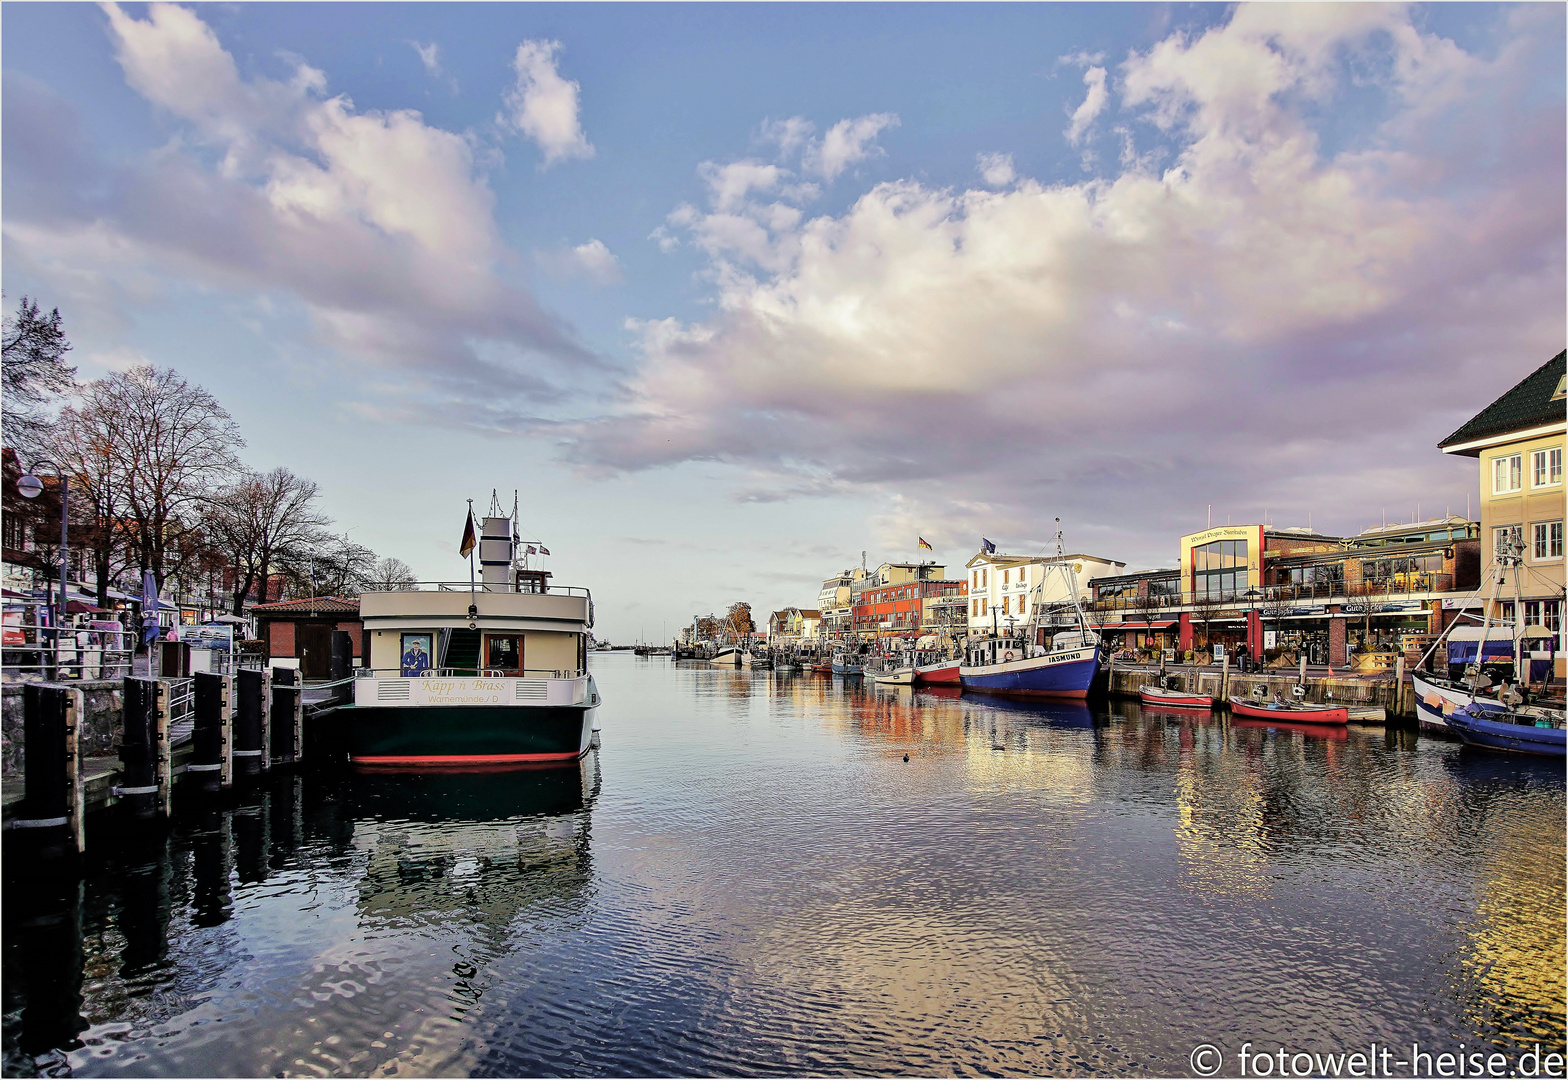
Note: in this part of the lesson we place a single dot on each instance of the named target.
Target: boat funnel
(495, 554)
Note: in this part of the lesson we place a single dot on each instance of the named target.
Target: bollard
(146, 773)
(212, 767)
(287, 714)
(248, 749)
(53, 765)
(342, 666)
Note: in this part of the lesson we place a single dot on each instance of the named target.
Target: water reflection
(767, 885)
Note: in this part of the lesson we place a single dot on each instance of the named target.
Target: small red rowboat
(1162, 698)
(1290, 712)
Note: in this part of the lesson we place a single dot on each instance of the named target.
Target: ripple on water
(749, 878)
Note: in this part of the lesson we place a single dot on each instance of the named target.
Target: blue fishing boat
(1053, 655)
(1527, 732)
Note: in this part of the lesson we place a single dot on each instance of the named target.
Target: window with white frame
(1546, 467)
(1506, 539)
(1507, 474)
(1547, 540)
(1544, 613)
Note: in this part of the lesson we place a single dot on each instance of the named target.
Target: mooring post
(249, 750)
(53, 764)
(210, 766)
(1399, 683)
(287, 715)
(144, 769)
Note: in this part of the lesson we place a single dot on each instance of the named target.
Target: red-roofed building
(302, 630)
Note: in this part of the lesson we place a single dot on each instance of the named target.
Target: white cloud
(1232, 327)
(1093, 104)
(846, 142)
(430, 56)
(380, 225)
(790, 135)
(592, 261)
(996, 169)
(544, 106)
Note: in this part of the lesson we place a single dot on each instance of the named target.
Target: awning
(1134, 625)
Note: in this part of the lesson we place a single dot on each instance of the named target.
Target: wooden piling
(287, 715)
(211, 767)
(249, 748)
(146, 768)
(53, 767)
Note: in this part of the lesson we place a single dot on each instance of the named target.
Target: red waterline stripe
(464, 759)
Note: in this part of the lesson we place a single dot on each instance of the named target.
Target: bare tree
(176, 447)
(86, 444)
(34, 370)
(262, 520)
(340, 567)
(391, 575)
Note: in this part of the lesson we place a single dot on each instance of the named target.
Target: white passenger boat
(479, 673)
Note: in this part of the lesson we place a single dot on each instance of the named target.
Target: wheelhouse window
(504, 652)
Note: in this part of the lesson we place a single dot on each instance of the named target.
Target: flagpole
(473, 601)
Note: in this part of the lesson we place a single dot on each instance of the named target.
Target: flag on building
(990, 548)
(466, 548)
(925, 546)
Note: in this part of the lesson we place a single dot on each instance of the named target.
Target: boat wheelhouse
(477, 673)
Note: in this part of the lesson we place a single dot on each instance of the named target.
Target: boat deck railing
(471, 673)
(525, 588)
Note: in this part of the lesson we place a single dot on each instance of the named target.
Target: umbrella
(149, 608)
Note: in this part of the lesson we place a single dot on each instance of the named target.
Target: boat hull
(1478, 730)
(1155, 698)
(1291, 714)
(945, 673)
(896, 677)
(847, 669)
(466, 735)
(1067, 675)
(1436, 702)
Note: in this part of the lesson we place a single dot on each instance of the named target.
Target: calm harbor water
(748, 878)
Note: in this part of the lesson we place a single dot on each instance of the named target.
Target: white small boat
(896, 676)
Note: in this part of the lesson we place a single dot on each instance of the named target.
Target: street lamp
(1252, 595)
(30, 487)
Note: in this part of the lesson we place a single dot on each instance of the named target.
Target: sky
(732, 294)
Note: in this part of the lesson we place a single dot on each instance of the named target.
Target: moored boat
(1290, 711)
(477, 673)
(1436, 700)
(1520, 732)
(1163, 697)
(943, 672)
(894, 676)
(1035, 661)
(845, 663)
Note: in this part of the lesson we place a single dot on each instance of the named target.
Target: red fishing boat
(937, 674)
(1159, 697)
(1290, 711)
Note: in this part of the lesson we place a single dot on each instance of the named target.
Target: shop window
(1506, 472)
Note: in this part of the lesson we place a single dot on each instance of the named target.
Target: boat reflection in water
(219, 918)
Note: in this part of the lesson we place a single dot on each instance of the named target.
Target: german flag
(466, 548)
(923, 545)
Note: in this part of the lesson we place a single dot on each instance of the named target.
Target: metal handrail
(471, 673)
(465, 586)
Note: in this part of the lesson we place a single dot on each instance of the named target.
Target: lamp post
(1252, 598)
(30, 487)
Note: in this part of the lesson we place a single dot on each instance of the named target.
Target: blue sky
(733, 293)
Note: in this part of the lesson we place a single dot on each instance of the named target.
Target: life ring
(1008, 655)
